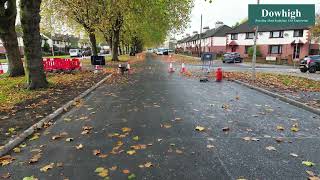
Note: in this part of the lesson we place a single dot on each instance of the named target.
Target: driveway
(159, 113)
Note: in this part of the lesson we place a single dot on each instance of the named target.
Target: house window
(250, 35)
(275, 49)
(298, 33)
(246, 49)
(276, 34)
(234, 36)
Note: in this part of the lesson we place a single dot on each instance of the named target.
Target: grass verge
(278, 81)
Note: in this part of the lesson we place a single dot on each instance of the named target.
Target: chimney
(188, 35)
(195, 32)
(205, 29)
(218, 24)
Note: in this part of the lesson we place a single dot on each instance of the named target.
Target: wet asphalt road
(163, 111)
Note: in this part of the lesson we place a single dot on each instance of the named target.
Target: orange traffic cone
(1, 69)
(183, 68)
(171, 70)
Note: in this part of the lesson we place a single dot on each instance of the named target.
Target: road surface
(162, 112)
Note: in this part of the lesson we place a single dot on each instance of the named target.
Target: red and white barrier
(51, 64)
(1, 69)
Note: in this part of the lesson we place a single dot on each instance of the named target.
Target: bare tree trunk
(8, 36)
(30, 20)
(115, 45)
(93, 42)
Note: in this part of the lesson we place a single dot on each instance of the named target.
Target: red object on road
(1, 69)
(219, 75)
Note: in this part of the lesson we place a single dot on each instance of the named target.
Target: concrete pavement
(163, 110)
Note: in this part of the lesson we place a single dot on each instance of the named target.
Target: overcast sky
(229, 11)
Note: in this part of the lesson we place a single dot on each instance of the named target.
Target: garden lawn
(3, 61)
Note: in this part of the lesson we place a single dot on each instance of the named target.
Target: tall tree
(85, 13)
(30, 22)
(8, 35)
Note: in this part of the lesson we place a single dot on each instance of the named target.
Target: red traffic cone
(1, 69)
(171, 70)
(183, 68)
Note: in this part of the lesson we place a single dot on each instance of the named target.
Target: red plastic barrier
(61, 64)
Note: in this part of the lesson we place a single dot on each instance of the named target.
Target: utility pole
(200, 37)
(254, 56)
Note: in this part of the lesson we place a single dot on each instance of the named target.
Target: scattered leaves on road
(47, 167)
(308, 163)
(280, 128)
(132, 176)
(69, 139)
(126, 129)
(96, 152)
(209, 146)
(199, 128)
(293, 155)
(125, 171)
(271, 148)
(79, 146)
(5, 160)
(148, 165)
(30, 178)
(35, 137)
(131, 152)
(35, 158)
(102, 172)
(6, 175)
(136, 138)
(16, 150)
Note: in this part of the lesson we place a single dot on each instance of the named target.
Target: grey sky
(229, 11)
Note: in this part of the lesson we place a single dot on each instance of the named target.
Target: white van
(75, 52)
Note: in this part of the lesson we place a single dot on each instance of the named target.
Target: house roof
(244, 28)
(184, 40)
(218, 32)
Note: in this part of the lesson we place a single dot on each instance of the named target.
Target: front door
(296, 51)
(233, 49)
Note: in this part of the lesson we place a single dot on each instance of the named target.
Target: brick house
(212, 40)
(275, 43)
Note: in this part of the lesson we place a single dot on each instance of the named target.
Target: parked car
(310, 63)
(104, 51)
(232, 57)
(160, 51)
(86, 52)
(75, 52)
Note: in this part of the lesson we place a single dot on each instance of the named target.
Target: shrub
(250, 51)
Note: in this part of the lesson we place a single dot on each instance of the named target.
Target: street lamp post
(200, 37)
(254, 56)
